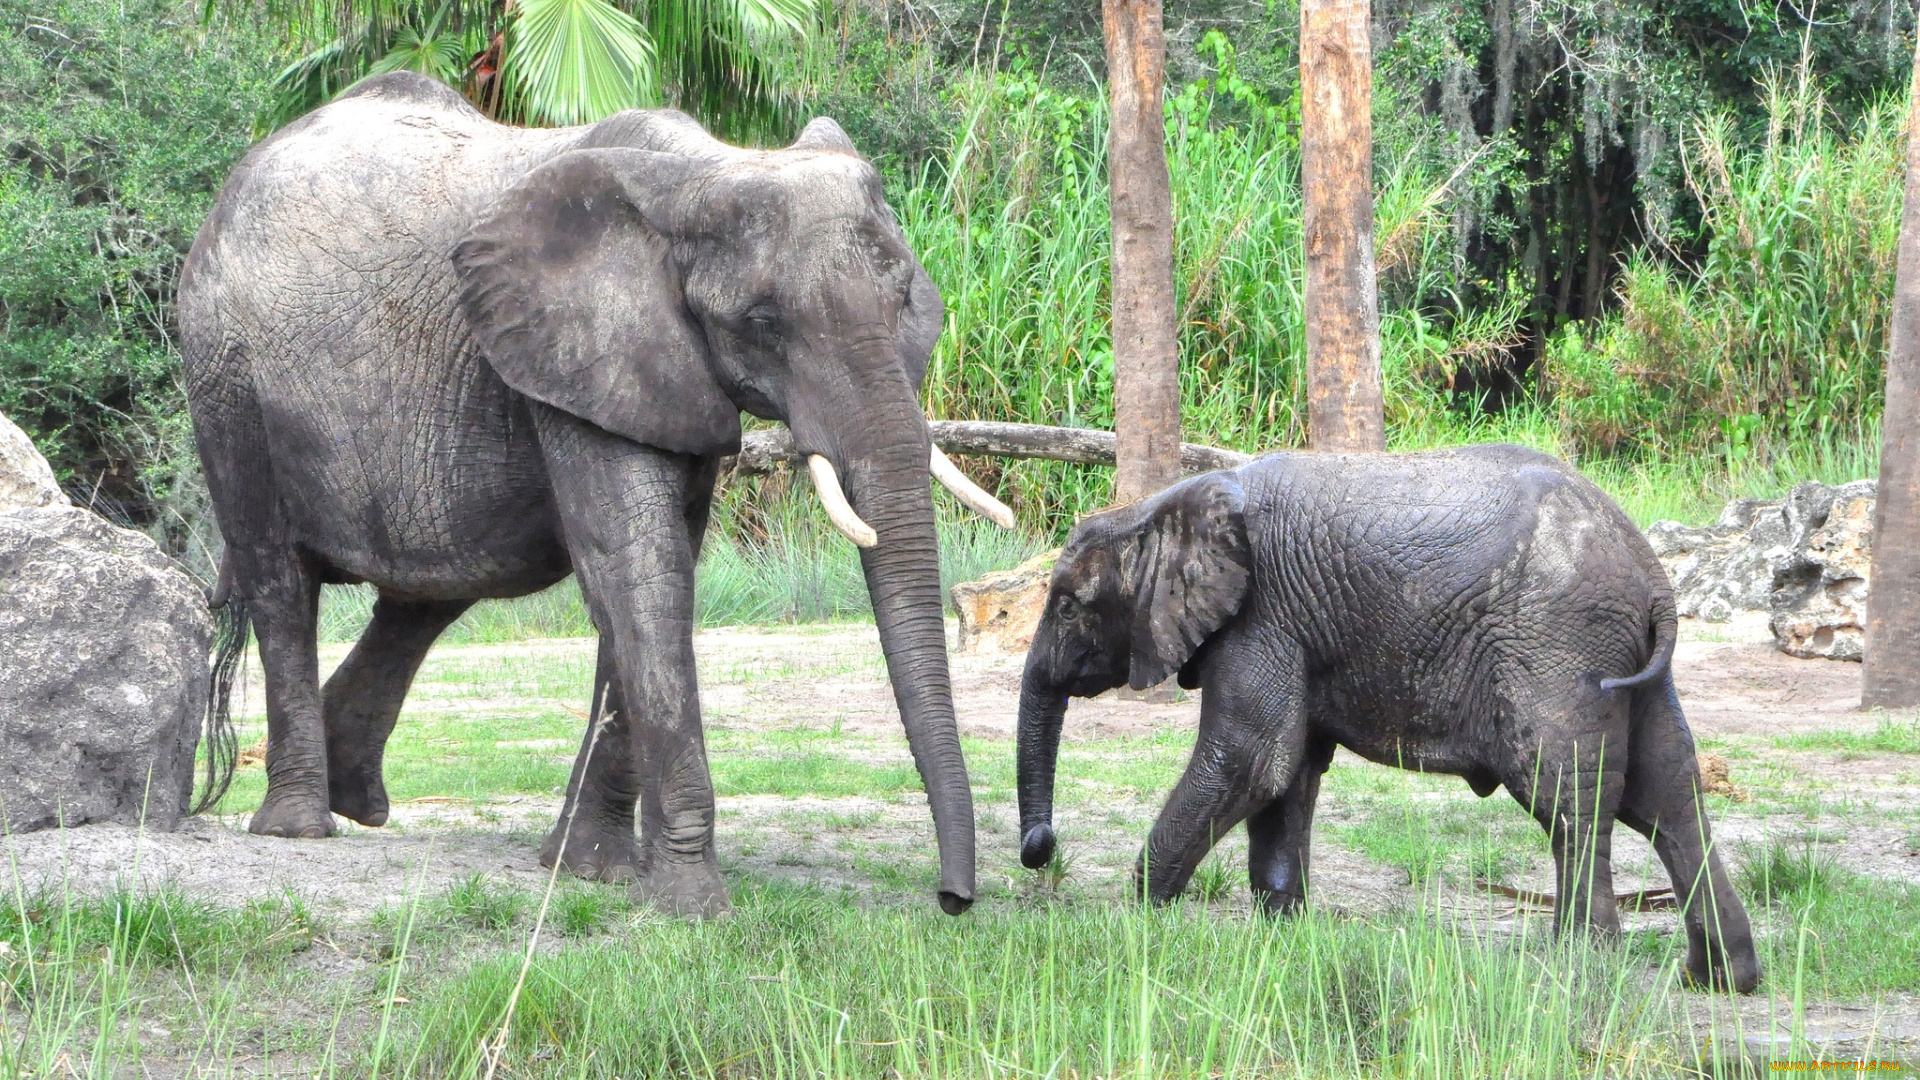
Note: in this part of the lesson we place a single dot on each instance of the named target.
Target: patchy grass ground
(396, 951)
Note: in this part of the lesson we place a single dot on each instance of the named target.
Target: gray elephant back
(1425, 570)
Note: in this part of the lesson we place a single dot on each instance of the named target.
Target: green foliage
(481, 903)
(1890, 736)
(1777, 336)
(1822, 908)
(118, 123)
(800, 983)
(734, 65)
(164, 927)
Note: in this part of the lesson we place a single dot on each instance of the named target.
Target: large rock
(1820, 600)
(103, 663)
(26, 481)
(1804, 558)
(998, 613)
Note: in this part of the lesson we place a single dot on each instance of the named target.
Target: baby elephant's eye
(762, 315)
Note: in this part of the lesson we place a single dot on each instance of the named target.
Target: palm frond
(736, 64)
(436, 50)
(577, 61)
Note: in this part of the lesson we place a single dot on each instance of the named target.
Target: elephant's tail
(1666, 628)
(230, 644)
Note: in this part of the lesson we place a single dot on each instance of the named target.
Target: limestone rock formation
(103, 662)
(1804, 558)
(999, 612)
(1820, 600)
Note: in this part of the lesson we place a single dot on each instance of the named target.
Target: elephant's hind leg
(363, 697)
(1663, 802)
(285, 611)
(1571, 781)
(594, 836)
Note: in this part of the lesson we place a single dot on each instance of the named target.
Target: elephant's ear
(920, 324)
(1189, 573)
(575, 299)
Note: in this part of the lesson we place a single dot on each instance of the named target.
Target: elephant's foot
(1739, 974)
(596, 851)
(358, 795)
(1278, 904)
(683, 888)
(301, 816)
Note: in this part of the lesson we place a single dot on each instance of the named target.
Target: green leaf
(435, 51)
(577, 61)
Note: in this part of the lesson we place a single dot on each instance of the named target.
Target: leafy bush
(1778, 335)
(118, 123)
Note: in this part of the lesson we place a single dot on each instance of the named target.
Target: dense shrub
(118, 123)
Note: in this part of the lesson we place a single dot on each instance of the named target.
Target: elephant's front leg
(594, 836)
(623, 508)
(1252, 739)
(1280, 836)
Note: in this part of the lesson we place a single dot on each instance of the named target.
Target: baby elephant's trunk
(1042, 711)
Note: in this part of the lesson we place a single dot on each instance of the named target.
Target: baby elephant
(1484, 611)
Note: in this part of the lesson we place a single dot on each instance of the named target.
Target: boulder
(1804, 558)
(103, 663)
(998, 613)
(26, 480)
(1819, 600)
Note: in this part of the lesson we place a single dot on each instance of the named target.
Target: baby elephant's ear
(1190, 573)
(576, 300)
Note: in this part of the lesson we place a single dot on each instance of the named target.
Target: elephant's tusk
(826, 484)
(968, 492)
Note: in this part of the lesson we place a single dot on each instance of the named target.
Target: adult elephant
(459, 360)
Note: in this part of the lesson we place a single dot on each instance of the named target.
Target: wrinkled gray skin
(1484, 612)
(459, 360)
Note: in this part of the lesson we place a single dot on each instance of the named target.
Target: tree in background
(1146, 361)
(1892, 676)
(736, 65)
(1345, 411)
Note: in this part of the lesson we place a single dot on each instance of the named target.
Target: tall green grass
(799, 983)
(1775, 340)
(1740, 372)
(1014, 228)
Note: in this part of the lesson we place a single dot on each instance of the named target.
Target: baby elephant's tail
(1666, 624)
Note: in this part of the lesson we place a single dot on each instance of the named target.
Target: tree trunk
(1892, 678)
(1146, 371)
(1344, 407)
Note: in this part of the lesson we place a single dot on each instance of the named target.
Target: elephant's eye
(762, 316)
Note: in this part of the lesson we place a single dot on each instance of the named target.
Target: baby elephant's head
(1135, 594)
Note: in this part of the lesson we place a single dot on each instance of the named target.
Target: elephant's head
(659, 294)
(1136, 593)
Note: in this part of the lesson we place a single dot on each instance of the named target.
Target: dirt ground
(1739, 694)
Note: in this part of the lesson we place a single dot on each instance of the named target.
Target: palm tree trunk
(1344, 406)
(1892, 677)
(1146, 371)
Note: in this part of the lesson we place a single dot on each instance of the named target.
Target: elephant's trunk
(887, 482)
(1043, 709)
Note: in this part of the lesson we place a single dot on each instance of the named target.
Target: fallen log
(768, 449)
